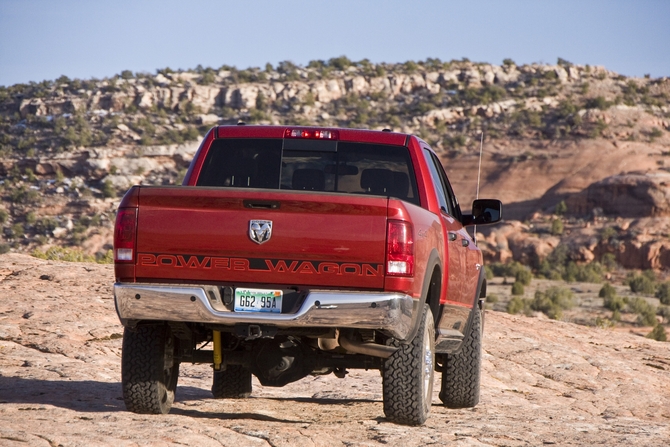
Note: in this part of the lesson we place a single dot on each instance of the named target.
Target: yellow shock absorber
(216, 339)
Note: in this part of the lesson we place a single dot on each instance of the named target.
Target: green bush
(561, 208)
(556, 227)
(607, 291)
(25, 195)
(4, 248)
(644, 283)
(646, 313)
(517, 288)
(516, 305)
(492, 298)
(658, 333)
(663, 292)
(108, 190)
(598, 102)
(16, 231)
(664, 313)
(615, 303)
(524, 276)
(553, 301)
(508, 269)
(64, 254)
(45, 225)
(591, 272)
(4, 215)
(608, 261)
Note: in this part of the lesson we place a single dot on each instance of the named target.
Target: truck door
(455, 236)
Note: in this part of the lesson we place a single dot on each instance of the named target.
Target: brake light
(124, 235)
(399, 249)
(314, 134)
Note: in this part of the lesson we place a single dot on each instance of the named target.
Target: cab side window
(440, 190)
(454, 207)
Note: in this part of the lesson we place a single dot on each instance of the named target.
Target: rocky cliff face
(578, 135)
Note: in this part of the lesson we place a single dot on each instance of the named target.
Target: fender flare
(433, 261)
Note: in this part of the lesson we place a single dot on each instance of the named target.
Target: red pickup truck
(291, 251)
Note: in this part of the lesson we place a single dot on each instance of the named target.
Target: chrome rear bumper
(391, 312)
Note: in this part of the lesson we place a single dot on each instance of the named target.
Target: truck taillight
(124, 235)
(314, 134)
(399, 249)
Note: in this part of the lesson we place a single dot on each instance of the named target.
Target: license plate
(258, 300)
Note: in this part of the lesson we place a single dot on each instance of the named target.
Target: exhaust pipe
(371, 349)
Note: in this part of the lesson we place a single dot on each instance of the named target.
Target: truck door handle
(261, 204)
(465, 242)
(452, 236)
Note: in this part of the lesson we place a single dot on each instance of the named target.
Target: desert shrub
(556, 227)
(608, 261)
(663, 292)
(4, 215)
(4, 248)
(25, 195)
(553, 301)
(561, 208)
(598, 103)
(488, 272)
(658, 333)
(524, 276)
(607, 291)
(492, 298)
(106, 258)
(108, 190)
(604, 323)
(508, 269)
(591, 272)
(63, 254)
(45, 225)
(517, 288)
(644, 283)
(646, 313)
(16, 231)
(664, 313)
(614, 303)
(517, 305)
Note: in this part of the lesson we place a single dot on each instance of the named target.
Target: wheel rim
(427, 366)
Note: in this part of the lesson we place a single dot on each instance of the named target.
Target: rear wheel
(407, 376)
(232, 383)
(149, 371)
(461, 372)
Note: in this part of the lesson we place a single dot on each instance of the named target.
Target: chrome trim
(387, 311)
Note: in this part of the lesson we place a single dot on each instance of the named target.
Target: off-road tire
(407, 376)
(149, 372)
(233, 383)
(461, 372)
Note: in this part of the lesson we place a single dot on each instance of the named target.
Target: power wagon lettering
(259, 265)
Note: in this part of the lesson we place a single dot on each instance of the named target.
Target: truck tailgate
(203, 234)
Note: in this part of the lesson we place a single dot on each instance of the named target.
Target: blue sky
(43, 39)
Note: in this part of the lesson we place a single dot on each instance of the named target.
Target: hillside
(578, 144)
(543, 383)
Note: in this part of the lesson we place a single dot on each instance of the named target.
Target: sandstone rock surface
(544, 383)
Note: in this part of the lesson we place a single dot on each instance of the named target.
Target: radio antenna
(479, 169)
(479, 176)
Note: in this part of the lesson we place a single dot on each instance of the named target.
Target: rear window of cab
(310, 165)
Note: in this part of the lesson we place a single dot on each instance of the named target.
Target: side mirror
(484, 212)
